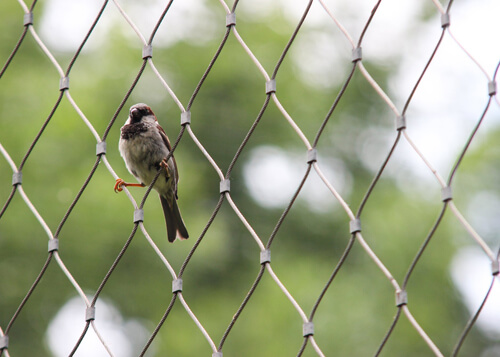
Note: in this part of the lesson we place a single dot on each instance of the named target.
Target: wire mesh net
(391, 139)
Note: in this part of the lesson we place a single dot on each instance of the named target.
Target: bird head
(141, 112)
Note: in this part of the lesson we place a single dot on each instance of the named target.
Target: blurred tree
(357, 309)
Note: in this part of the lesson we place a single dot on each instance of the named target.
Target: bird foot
(164, 164)
(120, 184)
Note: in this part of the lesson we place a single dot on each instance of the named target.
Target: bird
(144, 147)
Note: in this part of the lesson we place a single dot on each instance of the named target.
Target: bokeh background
(447, 285)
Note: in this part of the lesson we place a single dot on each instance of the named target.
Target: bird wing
(169, 147)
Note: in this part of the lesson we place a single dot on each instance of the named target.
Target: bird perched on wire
(144, 147)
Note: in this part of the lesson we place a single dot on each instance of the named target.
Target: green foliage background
(359, 306)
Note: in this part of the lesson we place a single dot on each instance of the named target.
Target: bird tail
(173, 218)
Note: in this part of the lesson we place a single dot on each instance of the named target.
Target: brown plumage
(144, 147)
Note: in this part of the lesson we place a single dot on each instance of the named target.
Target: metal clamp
(445, 20)
(185, 118)
(177, 285)
(312, 155)
(446, 194)
(355, 226)
(231, 19)
(147, 51)
(28, 19)
(17, 178)
(308, 329)
(492, 88)
(271, 86)
(4, 342)
(400, 122)
(265, 256)
(138, 215)
(225, 186)
(53, 245)
(100, 148)
(495, 267)
(90, 313)
(357, 54)
(401, 298)
(64, 83)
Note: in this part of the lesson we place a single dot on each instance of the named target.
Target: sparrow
(144, 147)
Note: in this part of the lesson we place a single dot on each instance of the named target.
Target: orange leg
(120, 183)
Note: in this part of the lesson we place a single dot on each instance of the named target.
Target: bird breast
(143, 151)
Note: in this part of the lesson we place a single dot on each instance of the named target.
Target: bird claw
(164, 164)
(118, 185)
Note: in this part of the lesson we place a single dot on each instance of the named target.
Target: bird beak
(134, 114)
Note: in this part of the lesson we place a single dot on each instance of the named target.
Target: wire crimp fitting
(231, 19)
(4, 342)
(308, 329)
(265, 256)
(138, 215)
(492, 88)
(186, 118)
(100, 148)
(355, 226)
(312, 155)
(446, 194)
(225, 186)
(28, 19)
(357, 54)
(401, 298)
(53, 245)
(90, 313)
(147, 51)
(445, 20)
(64, 83)
(400, 122)
(271, 86)
(177, 285)
(495, 267)
(17, 178)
